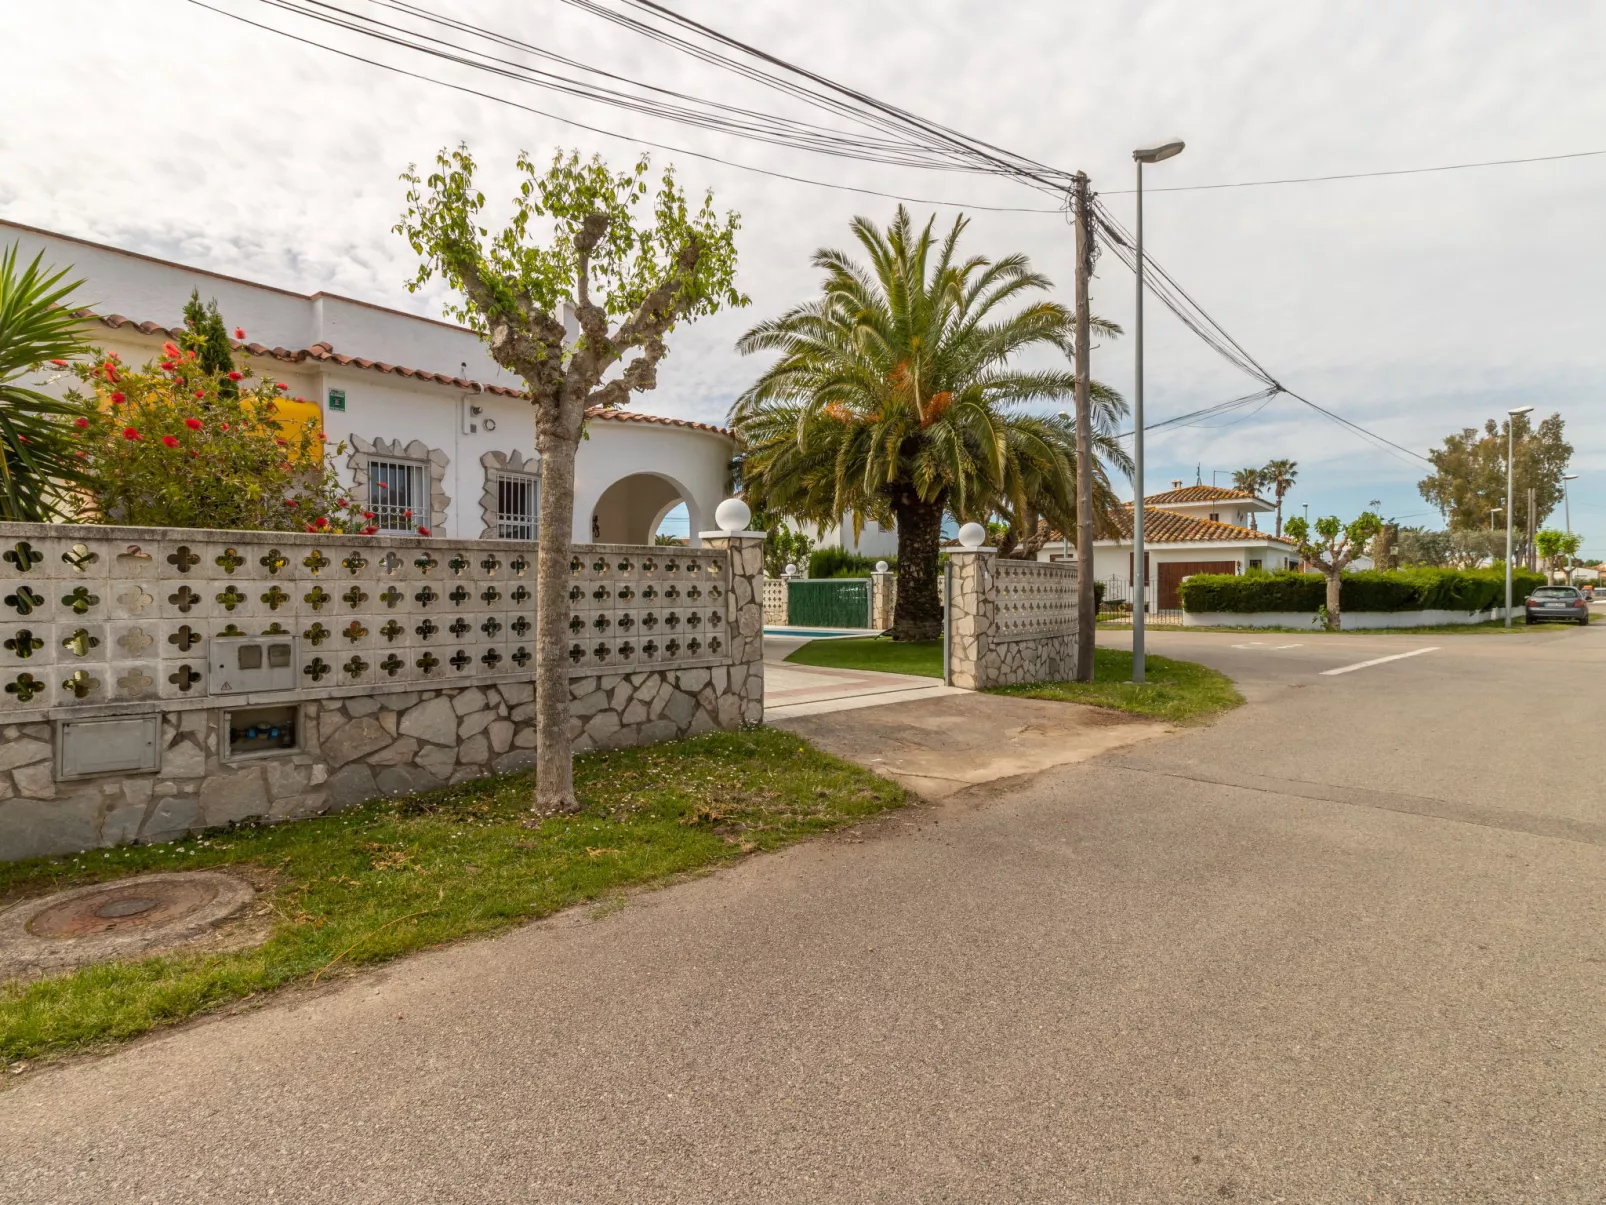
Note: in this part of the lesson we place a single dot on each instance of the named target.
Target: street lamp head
(1569, 476)
(1519, 410)
(1154, 154)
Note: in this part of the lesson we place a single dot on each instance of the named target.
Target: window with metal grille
(517, 506)
(398, 494)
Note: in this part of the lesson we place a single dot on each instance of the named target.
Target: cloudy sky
(1413, 305)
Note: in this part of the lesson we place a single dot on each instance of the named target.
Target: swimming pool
(821, 633)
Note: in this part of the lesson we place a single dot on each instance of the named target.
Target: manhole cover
(116, 920)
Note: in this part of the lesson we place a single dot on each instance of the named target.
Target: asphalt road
(1346, 945)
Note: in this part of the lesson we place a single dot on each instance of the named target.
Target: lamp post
(1511, 477)
(1142, 155)
(1567, 506)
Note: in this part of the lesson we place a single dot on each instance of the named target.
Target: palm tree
(1280, 475)
(37, 463)
(1250, 481)
(897, 398)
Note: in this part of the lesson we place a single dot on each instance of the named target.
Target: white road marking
(1260, 644)
(1344, 669)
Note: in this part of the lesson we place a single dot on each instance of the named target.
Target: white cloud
(1415, 305)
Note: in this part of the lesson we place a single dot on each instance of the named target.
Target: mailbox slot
(247, 664)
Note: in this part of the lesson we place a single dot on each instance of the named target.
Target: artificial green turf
(378, 881)
(1175, 690)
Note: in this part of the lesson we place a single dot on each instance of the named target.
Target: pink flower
(368, 531)
(289, 501)
(236, 376)
(169, 441)
(130, 434)
(423, 531)
(80, 423)
(194, 424)
(280, 385)
(59, 363)
(382, 485)
(320, 521)
(225, 426)
(171, 349)
(368, 514)
(118, 399)
(200, 393)
(407, 514)
(239, 333)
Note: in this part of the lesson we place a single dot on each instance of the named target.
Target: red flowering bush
(175, 445)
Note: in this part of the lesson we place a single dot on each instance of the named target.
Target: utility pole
(1511, 478)
(1086, 603)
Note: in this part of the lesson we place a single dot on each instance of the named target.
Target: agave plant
(899, 396)
(38, 468)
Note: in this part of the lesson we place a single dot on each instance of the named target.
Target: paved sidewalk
(791, 690)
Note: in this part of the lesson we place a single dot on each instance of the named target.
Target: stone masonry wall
(356, 741)
(1011, 621)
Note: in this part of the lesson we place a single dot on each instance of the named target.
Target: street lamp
(1568, 506)
(1511, 470)
(1142, 155)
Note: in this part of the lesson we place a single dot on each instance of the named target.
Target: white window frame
(385, 474)
(511, 524)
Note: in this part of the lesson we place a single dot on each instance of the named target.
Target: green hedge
(1368, 590)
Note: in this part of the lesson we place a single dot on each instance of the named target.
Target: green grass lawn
(1176, 690)
(382, 880)
(1488, 628)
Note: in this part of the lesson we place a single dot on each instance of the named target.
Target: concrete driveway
(1347, 945)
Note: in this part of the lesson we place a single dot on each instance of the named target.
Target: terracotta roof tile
(1201, 493)
(1162, 526)
(325, 353)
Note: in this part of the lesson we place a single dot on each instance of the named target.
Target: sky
(1414, 305)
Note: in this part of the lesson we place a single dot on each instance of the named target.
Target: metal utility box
(245, 664)
(122, 745)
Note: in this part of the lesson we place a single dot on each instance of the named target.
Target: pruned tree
(1331, 545)
(1558, 548)
(576, 239)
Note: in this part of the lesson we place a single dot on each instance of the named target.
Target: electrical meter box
(86, 747)
(244, 664)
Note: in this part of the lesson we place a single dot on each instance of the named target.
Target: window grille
(398, 494)
(517, 506)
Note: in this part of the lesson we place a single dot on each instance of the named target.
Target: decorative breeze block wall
(412, 664)
(1012, 621)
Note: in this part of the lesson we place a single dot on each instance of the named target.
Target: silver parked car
(1557, 602)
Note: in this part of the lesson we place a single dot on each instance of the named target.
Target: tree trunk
(1335, 581)
(918, 614)
(554, 759)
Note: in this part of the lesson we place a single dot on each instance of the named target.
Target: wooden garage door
(1171, 574)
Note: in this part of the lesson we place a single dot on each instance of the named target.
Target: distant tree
(783, 547)
(1330, 545)
(1250, 481)
(1422, 546)
(207, 336)
(1280, 476)
(1558, 548)
(1469, 477)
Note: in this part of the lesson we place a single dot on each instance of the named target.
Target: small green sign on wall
(337, 399)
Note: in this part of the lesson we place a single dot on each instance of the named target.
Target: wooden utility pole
(1086, 607)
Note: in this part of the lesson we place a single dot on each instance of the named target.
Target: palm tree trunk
(918, 614)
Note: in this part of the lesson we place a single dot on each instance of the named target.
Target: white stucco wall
(874, 540)
(696, 462)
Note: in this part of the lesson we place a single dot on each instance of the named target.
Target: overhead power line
(1401, 171)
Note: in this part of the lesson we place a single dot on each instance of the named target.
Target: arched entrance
(631, 509)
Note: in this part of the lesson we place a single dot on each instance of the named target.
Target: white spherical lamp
(790, 570)
(972, 535)
(732, 515)
(880, 566)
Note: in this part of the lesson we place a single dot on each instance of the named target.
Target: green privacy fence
(839, 602)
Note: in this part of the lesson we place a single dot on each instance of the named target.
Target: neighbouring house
(873, 541)
(1186, 530)
(420, 405)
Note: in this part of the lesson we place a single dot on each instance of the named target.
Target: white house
(419, 403)
(1186, 530)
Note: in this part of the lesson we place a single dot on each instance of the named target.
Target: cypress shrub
(1467, 590)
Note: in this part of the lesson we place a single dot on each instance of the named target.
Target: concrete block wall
(416, 701)
(1011, 621)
